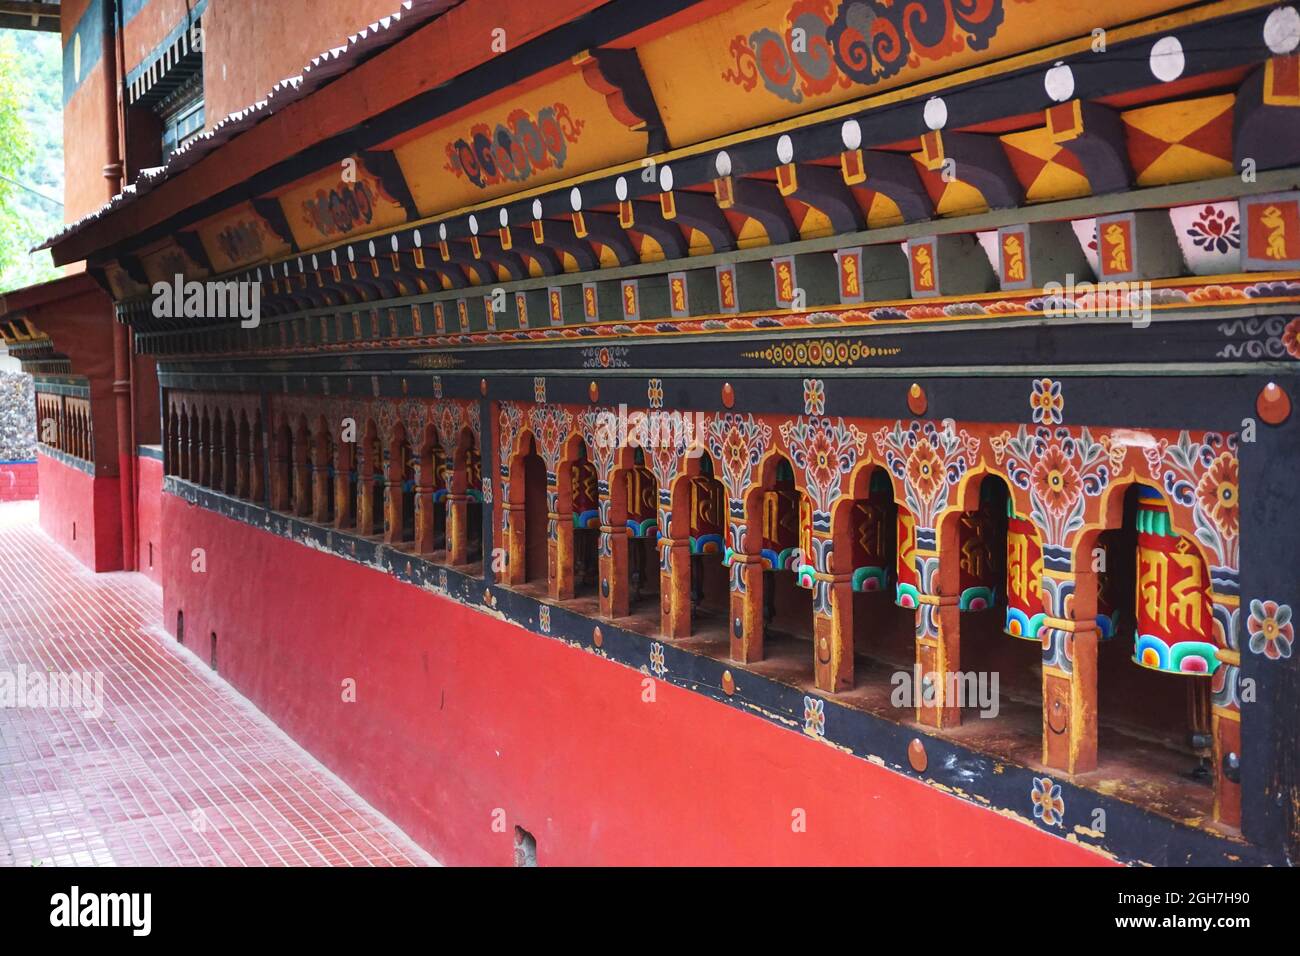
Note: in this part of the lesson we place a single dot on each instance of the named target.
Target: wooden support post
(343, 503)
(393, 508)
(675, 587)
(320, 489)
(424, 508)
(938, 628)
(746, 608)
(301, 481)
(279, 477)
(458, 529)
(1069, 679)
(365, 501)
(243, 465)
(833, 633)
(615, 596)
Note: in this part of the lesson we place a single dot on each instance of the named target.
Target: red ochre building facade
(672, 420)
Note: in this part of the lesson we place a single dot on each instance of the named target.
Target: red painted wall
(251, 47)
(70, 497)
(458, 715)
(150, 26)
(148, 517)
(18, 480)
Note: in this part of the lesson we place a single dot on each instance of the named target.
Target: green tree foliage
(31, 153)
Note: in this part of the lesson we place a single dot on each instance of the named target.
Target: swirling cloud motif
(820, 45)
(515, 150)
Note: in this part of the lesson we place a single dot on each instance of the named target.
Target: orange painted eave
(389, 79)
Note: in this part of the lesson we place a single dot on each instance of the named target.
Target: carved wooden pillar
(1070, 638)
(938, 645)
(516, 528)
(243, 463)
(392, 510)
(189, 447)
(613, 584)
(675, 587)
(320, 486)
(615, 590)
(559, 549)
(215, 457)
(301, 476)
(746, 579)
(256, 477)
(458, 528)
(365, 498)
(746, 625)
(833, 632)
(425, 477)
(343, 503)
(279, 476)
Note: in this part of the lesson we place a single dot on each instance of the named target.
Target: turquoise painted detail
(976, 599)
(869, 579)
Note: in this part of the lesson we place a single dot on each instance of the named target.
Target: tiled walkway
(177, 770)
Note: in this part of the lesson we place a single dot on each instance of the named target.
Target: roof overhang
(30, 15)
(368, 79)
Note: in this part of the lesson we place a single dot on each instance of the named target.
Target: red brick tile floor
(179, 770)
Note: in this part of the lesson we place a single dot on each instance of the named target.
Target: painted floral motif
(539, 388)
(1060, 470)
(386, 417)
(1202, 475)
(1291, 338)
(737, 442)
(1217, 494)
(825, 451)
(655, 392)
(928, 461)
(1055, 481)
(601, 446)
(550, 428)
(674, 433)
(814, 396)
(544, 618)
(1046, 402)
(814, 716)
(1049, 805)
(657, 665)
(437, 386)
(604, 356)
(515, 150)
(447, 420)
(1214, 230)
(470, 413)
(1270, 628)
(509, 422)
(819, 46)
(413, 414)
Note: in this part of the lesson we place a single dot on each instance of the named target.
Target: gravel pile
(17, 417)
